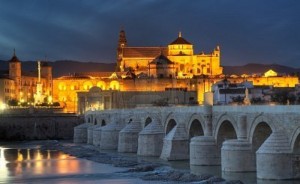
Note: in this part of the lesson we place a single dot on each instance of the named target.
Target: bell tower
(121, 44)
(15, 73)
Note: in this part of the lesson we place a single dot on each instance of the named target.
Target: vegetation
(13, 102)
(257, 100)
(284, 97)
(237, 99)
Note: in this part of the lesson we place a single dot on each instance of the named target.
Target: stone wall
(38, 126)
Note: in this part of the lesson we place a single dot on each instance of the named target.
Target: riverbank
(143, 168)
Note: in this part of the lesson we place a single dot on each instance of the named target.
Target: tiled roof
(161, 59)
(180, 41)
(14, 59)
(144, 51)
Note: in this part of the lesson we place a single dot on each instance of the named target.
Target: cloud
(247, 31)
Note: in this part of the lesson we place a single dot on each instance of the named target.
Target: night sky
(248, 31)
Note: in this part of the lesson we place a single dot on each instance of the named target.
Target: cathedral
(179, 59)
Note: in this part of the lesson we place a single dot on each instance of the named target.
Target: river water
(28, 164)
(32, 165)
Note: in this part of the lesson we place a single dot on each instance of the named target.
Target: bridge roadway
(263, 138)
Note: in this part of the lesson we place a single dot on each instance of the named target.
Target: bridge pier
(237, 155)
(97, 136)
(208, 120)
(204, 151)
(110, 135)
(150, 139)
(80, 133)
(176, 144)
(274, 158)
(90, 132)
(128, 137)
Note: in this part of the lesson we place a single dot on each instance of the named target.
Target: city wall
(37, 126)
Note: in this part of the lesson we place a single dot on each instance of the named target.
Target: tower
(121, 44)
(15, 74)
(46, 72)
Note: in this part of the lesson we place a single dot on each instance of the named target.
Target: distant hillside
(66, 67)
(258, 68)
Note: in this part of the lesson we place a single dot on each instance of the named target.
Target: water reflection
(18, 162)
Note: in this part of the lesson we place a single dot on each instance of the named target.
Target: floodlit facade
(180, 52)
(22, 85)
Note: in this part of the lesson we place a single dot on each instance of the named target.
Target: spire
(14, 57)
(179, 34)
(122, 39)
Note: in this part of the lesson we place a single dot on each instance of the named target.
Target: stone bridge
(263, 138)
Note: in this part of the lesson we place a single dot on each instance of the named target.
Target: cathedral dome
(180, 41)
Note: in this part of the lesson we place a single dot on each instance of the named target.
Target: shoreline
(144, 168)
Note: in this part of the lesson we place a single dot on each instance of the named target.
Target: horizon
(247, 32)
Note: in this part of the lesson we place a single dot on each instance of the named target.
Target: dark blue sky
(260, 31)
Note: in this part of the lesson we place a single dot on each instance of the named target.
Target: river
(27, 163)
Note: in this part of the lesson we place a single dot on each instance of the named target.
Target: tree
(12, 102)
(257, 100)
(237, 99)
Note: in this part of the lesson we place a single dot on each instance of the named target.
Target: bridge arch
(147, 121)
(103, 123)
(260, 129)
(296, 141)
(226, 128)
(196, 126)
(170, 123)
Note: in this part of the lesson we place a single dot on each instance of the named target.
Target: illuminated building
(152, 69)
(269, 78)
(170, 68)
(7, 89)
(180, 52)
(21, 85)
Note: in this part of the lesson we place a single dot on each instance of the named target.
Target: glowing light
(3, 162)
(114, 85)
(50, 100)
(2, 106)
(270, 73)
(20, 156)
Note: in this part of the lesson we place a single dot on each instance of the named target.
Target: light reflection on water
(28, 163)
(49, 167)
(17, 162)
